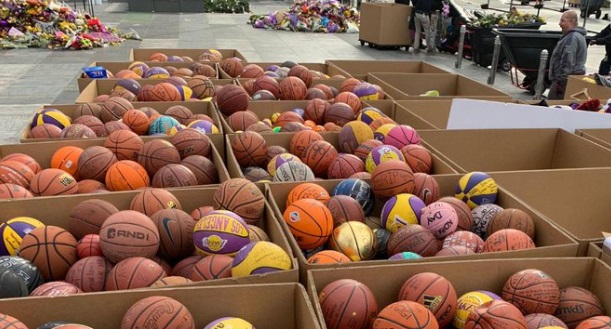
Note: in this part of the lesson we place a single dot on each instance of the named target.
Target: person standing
(422, 20)
(604, 38)
(569, 55)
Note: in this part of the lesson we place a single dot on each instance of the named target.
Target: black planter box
(192, 6)
(141, 5)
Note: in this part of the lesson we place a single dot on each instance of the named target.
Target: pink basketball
(439, 217)
(402, 135)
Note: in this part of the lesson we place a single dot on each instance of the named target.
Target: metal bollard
(540, 86)
(495, 59)
(461, 43)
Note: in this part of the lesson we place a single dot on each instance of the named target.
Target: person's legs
(432, 36)
(605, 66)
(425, 21)
(419, 26)
(556, 90)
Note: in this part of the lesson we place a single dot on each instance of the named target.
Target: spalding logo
(214, 242)
(294, 217)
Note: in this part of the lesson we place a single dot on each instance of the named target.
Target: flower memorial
(327, 16)
(52, 24)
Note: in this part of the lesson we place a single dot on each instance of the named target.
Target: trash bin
(589, 7)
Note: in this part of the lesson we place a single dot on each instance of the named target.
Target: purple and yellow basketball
(366, 91)
(476, 188)
(156, 72)
(260, 257)
(401, 210)
(162, 125)
(12, 232)
(220, 232)
(370, 114)
(204, 126)
(185, 92)
(279, 160)
(140, 68)
(381, 154)
(50, 116)
(128, 84)
(229, 322)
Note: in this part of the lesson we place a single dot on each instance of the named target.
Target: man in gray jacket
(569, 56)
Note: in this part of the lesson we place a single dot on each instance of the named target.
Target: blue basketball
(162, 125)
(357, 189)
(405, 255)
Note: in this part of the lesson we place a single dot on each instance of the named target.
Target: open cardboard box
(283, 305)
(144, 54)
(43, 152)
(99, 87)
(360, 68)
(577, 89)
(582, 214)
(320, 67)
(189, 198)
(595, 249)
(411, 85)
(470, 275)
(598, 136)
(514, 149)
(385, 24)
(550, 241)
(284, 139)
(115, 67)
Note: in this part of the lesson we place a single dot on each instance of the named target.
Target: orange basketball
(328, 257)
(66, 159)
(175, 233)
(124, 144)
(126, 175)
(512, 218)
(232, 66)
(344, 208)
(96, 125)
(185, 266)
(151, 200)
(595, 322)
(157, 153)
(315, 110)
(14, 172)
(351, 99)
(303, 73)
(94, 162)
(52, 181)
(134, 272)
(454, 251)
(170, 281)
(201, 86)
(128, 233)
(113, 109)
(191, 141)
(392, 177)
(344, 166)
(240, 121)
(25, 159)
(158, 57)
(231, 99)
(52, 249)
(310, 222)
(158, 312)
(56, 288)
(212, 267)
(87, 109)
(88, 246)
(379, 122)
(14, 191)
(418, 158)
(203, 168)
(405, 315)
(267, 83)
(532, 291)
(89, 274)
(577, 304)
(347, 303)
(495, 314)
(426, 188)
(252, 71)
(137, 121)
(88, 215)
(508, 239)
(349, 84)
(287, 117)
(300, 140)
(292, 88)
(339, 113)
(318, 156)
(307, 191)
(433, 291)
(174, 175)
(329, 93)
(179, 112)
(7, 321)
(249, 148)
(242, 197)
(414, 238)
(465, 239)
(165, 92)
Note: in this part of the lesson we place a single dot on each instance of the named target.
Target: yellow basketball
(259, 258)
(476, 188)
(13, 231)
(469, 301)
(228, 323)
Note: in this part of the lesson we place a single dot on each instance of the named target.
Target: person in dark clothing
(604, 38)
(422, 9)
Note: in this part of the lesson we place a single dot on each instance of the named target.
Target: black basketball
(24, 269)
(12, 285)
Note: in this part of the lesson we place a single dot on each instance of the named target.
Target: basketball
(201, 86)
(440, 218)
(156, 72)
(318, 156)
(495, 314)
(357, 189)
(344, 208)
(126, 175)
(175, 229)
(401, 210)
(315, 110)
(137, 121)
(158, 312)
(161, 125)
(77, 130)
(508, 240)
(204, 126)
(132, 273)
(363, 149)
(232, 66)
(229, 322)
(468, 302)
(279, 160)
(55, 289)
(151, 200)
(307, 191)
(380, 154)
(339, 114)
(465, 239)
(287, 117)
(15, 172)
(251, 71)
(94, 162)
(256, 233)
(50, 182)
(366, 91)
(260, 127)
(131, 84)
(414, 238)
(203, 169)
(292, 88)
(45, 131)
(88, 109)
(347, 303)
(267, 83)
(192, 142)
(476, 188)
(96, 125)
(426, 188)
(540, 320)
(328, 257)
(241, 120)
(12, 285)
(352, 134)
(402, 135)
(25, 159)
(300, 140)
(220, 232)
(355, 240)
(179, 112)
(370, 114)
(52, 249)
(170, 281)
(87, 217)
(303, 73)
(595, 322)
(200, 212)
(90, 186)
(89, 274)
(184, 267)
(113, 126)
(165, 92)
(532, 291)
(113, 109)
(310, 222)
(128, 233)
(242, 197)
(482, 216)
(274, 150)
(249, 148)
(454, 251)
(259, 258)
(512, 218)
(14, 191)
(23, 269)
(50, 116)
(350, 99)
(465, 218)
(390, 178)
(344, 165)
(157, 153)
(577, 304)
(405, 315)
(293, 171)
(174, 175)
(123, 93)
(434, 292)
(231, 99)
(89, 245)
(212, 267)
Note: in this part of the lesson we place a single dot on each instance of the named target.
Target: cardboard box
(189, 198)
(360, 68)
(144, 54)
(259, 304)
(99, 87)
(284, 139)
(491, 150)
(385, 24)
(576, 89)
(589, 273)
(411, 85)
(320, 67)
(583, 216)
(43, 151)
(550, 241)
(115, 67)
(598, 136)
